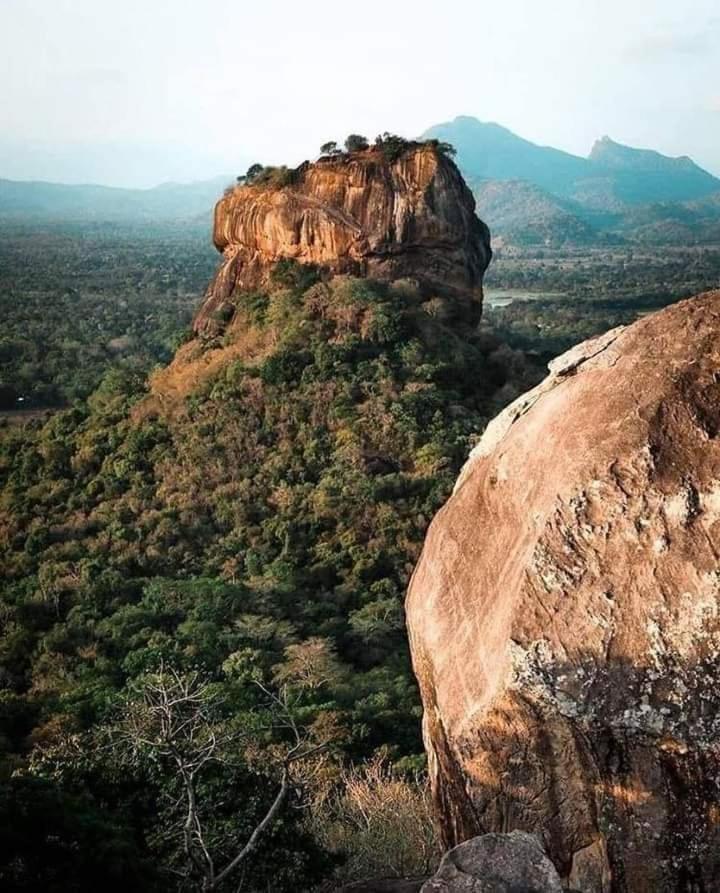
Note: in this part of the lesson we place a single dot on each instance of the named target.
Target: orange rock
(564, 616)
(359, 214)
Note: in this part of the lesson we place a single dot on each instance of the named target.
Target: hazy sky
(134, 92)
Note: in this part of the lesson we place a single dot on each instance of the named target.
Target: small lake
(501, 297)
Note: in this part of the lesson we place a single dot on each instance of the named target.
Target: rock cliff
(361, 214)
(564, 619)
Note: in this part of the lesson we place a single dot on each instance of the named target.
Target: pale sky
(136, 92)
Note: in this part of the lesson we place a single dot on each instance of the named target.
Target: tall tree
(174, 721)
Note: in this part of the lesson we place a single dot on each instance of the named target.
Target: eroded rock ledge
(360, 214)
(564, 618)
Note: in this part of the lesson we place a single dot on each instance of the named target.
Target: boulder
(564, 617)
(496, 863)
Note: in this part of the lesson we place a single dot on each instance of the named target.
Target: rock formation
(564, 619)
(492, 863)
(361, 214)
(496, 863)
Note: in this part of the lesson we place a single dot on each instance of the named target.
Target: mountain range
(531, 193)
(527, 194)
(32, 200)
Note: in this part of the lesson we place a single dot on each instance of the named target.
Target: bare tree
(174, 720)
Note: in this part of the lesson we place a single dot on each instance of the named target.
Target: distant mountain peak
(618, 156)
(471, 121)
(488, 150)
(612, 178)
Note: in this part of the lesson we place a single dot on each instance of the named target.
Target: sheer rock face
(358, 214)
(564, 618)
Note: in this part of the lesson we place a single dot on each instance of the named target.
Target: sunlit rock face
(564, 618)
(359, 214)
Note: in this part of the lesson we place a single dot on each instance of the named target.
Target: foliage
(262, 533)
(174, 721)
(392, 146)
(253, 172)
(60, 841)
(66, 320)
(356, 143)
(277, 177)
(565, 296)
(381, 819)
(444, 148)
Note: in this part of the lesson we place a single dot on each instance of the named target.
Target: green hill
(525, 214)
(262, 528)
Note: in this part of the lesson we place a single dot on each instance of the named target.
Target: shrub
(443, 148)
(356, 143)
(381, 821)
(391, 145)
(253, 172)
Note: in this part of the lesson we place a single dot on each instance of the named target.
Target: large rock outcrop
(564, 618)
(361, 214)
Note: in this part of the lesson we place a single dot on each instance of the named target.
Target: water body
(501, 297)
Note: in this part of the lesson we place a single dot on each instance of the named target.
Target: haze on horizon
(137, 93)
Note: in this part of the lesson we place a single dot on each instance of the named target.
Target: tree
(311, 664)
(174, 721)
(330, 148)
(356, 143)
(447, 149)
(253, 172)
(391, 145)
(57, 840)
(444, 148)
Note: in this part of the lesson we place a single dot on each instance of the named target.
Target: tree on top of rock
(253, 172)
(391, 145)
(356, 143)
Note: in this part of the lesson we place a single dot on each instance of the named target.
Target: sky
(138, 92)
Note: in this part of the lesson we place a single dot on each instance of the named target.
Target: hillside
(524, 214)
(262, 528)
(253, 516)
(605, 190)
(28, 200)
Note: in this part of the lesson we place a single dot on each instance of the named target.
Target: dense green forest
(242, 555)
(577, 293)
(629, 273)
(261, 535)
(79, 299)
